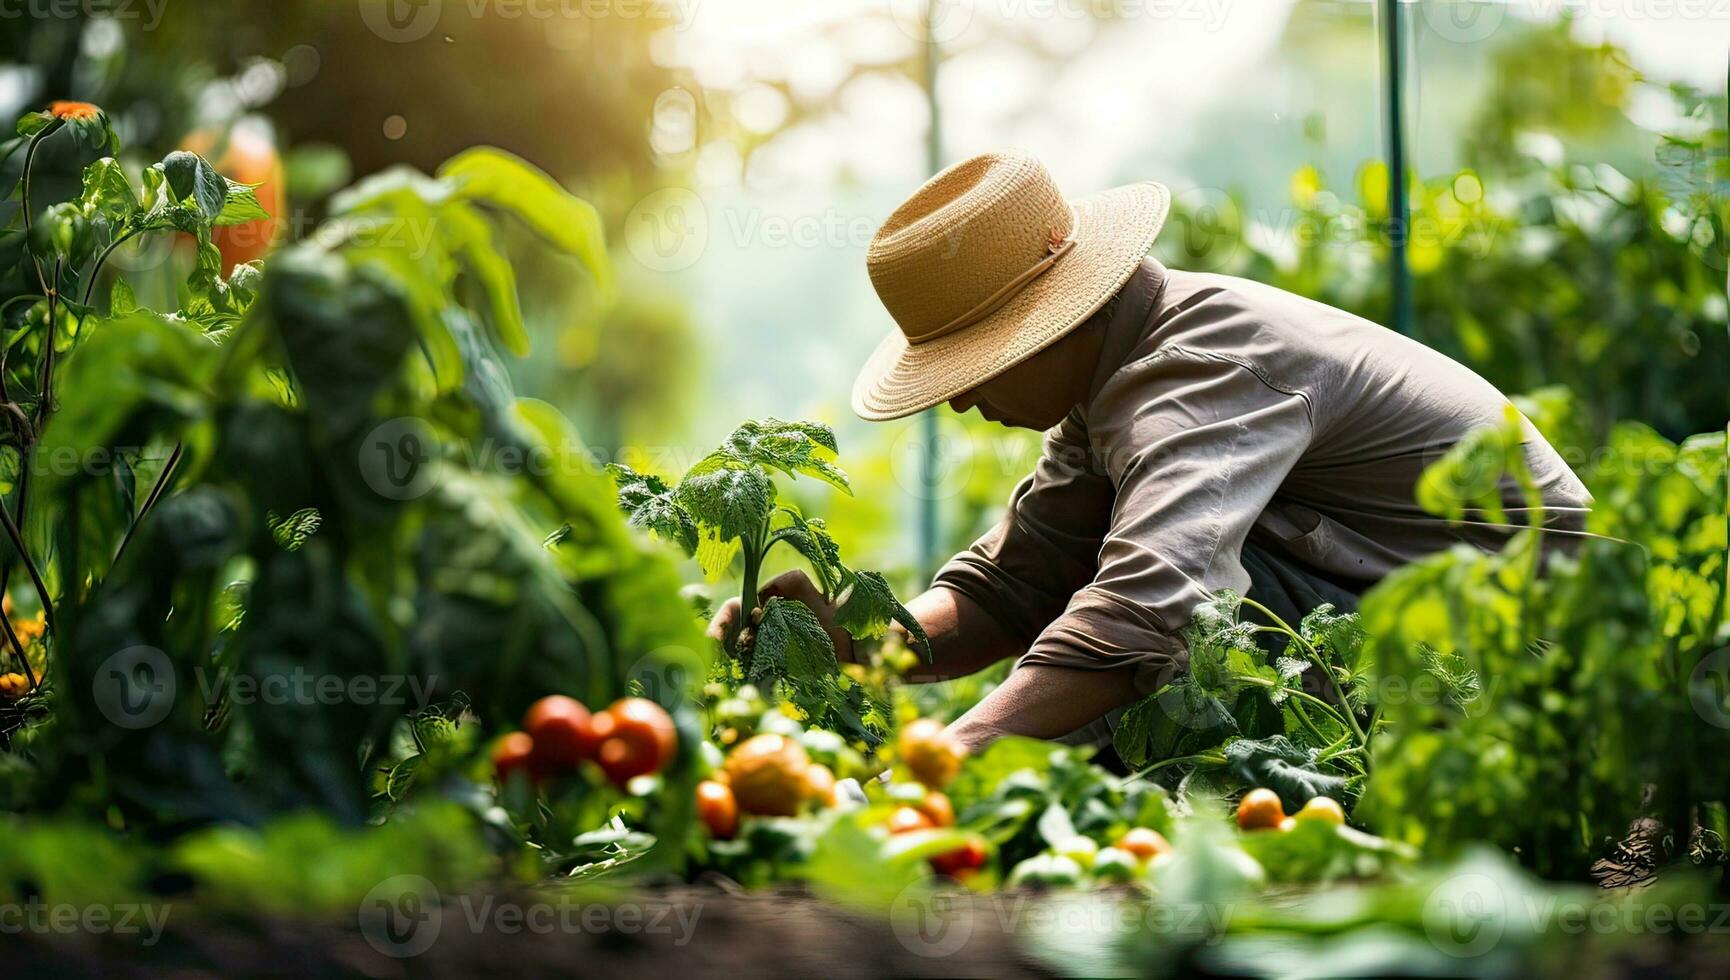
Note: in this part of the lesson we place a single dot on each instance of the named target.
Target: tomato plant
(727, 507)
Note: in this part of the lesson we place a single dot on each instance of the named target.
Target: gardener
(1204, 433)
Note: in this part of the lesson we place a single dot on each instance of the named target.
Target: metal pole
(1399, 218)
(928, 460)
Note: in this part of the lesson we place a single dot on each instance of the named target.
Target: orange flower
(30, 629)
(73, 111)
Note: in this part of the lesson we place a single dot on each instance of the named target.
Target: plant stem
(24, 189)
(1303, 717)
(1306, 696)
(1351, 716)
(754, 547)
(1212, 758)
(18, 648)
(156, 492)
(29, 566)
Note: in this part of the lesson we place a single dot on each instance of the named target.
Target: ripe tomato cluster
(1260, 809)
(933, 756)
(632, 737)
(765, 775)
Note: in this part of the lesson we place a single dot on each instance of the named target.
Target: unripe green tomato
(1079, 849)
(1114, 864)
(1049, 870)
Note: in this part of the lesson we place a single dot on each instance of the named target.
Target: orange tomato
(251, 159)
(636, 737)
(937, 807)
(1144, 842)
(961, 861)
(933, 755)
(14, 686)
(717, 808)
(906, 819)
(1260, 809)
(511, 755)
(769, 775)
(563, 733)
(820, 783)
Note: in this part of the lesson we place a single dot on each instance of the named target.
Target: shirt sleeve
(1023, 571)
(1195, 445)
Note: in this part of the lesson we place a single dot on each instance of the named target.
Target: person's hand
(788, 585)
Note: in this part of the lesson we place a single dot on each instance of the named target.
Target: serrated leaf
(652, 505)
(293, 531)
(870, 606)
(728, 494)
(811, 539)
(1460, 684)
(791, 643)
(1283, 767)
(715, 555)
(792, 447)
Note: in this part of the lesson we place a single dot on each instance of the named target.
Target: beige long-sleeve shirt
(1223, 405)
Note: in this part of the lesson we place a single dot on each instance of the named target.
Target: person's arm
(1044, 702)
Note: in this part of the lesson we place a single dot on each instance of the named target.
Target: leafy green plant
(1301, 723)
(726, 507)
(1597, 672)
(303, 486)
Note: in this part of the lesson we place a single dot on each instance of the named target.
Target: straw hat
(987, 265)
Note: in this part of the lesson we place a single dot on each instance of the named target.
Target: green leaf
(470, 238)
(121, 300)
(791, 643)
(1459, 683)
(870, 606)
(568, 223)
(792, 447)
(1287, 769)
(728, 494)
(107, 191)
(650, 504)
(1315, 851)
(811, 539)
(291, 532)
(191, 176)
(239, 206)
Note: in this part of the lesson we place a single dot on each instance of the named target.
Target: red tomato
(562, 731)
(636, 738)
(956, 863)
(511, 754)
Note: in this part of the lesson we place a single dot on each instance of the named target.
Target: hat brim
(1114, 230)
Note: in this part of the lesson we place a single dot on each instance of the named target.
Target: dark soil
(688, 932)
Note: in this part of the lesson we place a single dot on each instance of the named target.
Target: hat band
(991, 304)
